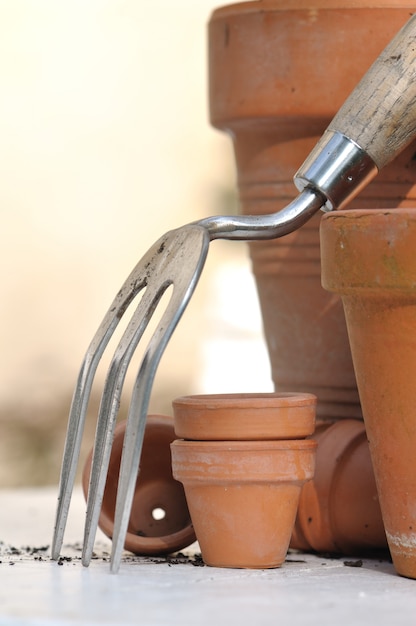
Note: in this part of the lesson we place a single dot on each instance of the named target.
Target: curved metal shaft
(251, 227)
(334, 173)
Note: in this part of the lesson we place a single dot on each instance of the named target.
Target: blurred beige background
(105, 144)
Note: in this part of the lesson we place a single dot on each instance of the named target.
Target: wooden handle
(380, 114)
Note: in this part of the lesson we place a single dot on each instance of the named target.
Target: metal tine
(135, 282)
(183, 289)
(109, 408)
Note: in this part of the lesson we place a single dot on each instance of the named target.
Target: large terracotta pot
(278, 72)
(243, 491)
(368, 257)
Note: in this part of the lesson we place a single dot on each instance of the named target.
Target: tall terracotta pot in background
(368, 257)
(278, 72)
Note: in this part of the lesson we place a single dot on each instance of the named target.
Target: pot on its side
(339, 510)
(159, 520)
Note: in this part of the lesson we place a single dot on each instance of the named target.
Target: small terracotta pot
(243, 494)
(267, 62)
(245, 416)
(339, 509)
(368, 257)
(159, 521)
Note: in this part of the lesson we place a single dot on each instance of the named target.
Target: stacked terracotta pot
(242, 460)
(339, 510)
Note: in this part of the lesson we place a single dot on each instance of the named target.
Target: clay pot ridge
(221, 461)
(389, 266)
(309, 5)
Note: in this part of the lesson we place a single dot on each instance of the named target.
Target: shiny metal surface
(337, 168)
(255, 227)
(176, 260)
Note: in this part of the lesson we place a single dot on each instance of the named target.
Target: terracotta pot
(278, 72)
(339, 509)
(243, 493)
(243, 496)
(246, 416)
(368, 257)
(159, 521)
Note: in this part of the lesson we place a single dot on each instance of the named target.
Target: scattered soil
(358, 563)
(11, 554)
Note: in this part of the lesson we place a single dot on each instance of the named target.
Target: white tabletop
(307, 589)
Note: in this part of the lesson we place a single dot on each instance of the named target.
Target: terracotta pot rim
(154, 419)
(355, 220)
(335, 442)
(245, 417)
(349, 432)
(148, 546)
(370, 212)
(369, 251)
(156, 424)
(238, 462)
(241, 462)
(302, 6)
(246, 400)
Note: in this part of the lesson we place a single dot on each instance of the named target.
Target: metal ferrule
(338, 168)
